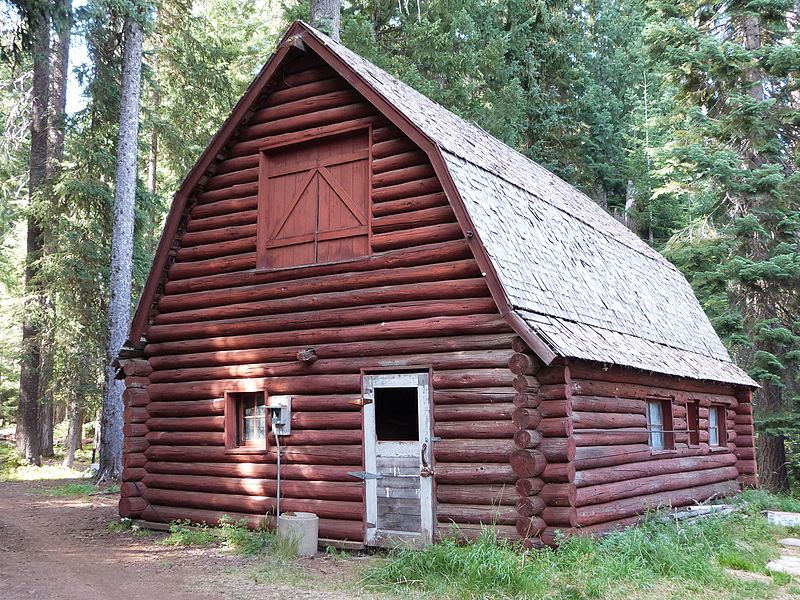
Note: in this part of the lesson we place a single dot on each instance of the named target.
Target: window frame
(693, 420)
(720, 412)
(285, 141)
(234, 419)
(667, 421)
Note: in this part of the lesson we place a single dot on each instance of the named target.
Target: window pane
(713, 426)
(253, 423)
(655, 419)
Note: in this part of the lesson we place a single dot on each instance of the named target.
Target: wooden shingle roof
(585, 284)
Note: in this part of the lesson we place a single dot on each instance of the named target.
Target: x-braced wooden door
(398, 459)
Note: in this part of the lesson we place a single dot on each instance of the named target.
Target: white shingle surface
(582, 281)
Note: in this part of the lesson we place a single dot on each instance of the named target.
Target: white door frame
(425, 452)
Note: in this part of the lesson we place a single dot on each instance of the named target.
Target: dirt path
(60, 548)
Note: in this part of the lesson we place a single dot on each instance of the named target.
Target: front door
(397, 457)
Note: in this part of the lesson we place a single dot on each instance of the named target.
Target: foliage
(235, 536)
(643, 561)
(183, 533)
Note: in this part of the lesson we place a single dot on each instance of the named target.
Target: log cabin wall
(418, 301)
(614, 474)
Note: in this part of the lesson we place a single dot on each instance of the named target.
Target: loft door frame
(422, 383)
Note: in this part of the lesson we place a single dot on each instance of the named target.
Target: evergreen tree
(731, 164)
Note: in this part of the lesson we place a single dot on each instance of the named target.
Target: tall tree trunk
(27, 430)
(152, 160)
(326, 15)
(62, 21)
(119, 305)
(75, 433)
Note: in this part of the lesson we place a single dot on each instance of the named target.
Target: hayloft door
(398, 459)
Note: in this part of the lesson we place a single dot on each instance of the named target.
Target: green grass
(14, 468)
(234, 536)
(659, 559)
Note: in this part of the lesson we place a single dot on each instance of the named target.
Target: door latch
(426, 470)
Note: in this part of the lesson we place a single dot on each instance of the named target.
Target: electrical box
(280, 414)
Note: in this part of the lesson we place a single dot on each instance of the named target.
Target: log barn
(462, 338)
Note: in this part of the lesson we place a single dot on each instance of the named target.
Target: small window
(245, 420)
(396, 414)
(693, 422)
(716, 426)
(659, 424)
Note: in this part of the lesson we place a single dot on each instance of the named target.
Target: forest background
(680, 117)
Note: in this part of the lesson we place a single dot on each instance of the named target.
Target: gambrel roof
(572, 280)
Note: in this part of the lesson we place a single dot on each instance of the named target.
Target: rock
(790, 542)
(785, 564)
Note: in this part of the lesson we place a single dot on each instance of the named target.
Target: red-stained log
(559, 473)
(526, 418)
(559, 494)
(526, 400)
(399, 161)
(588, 371)
(465, 473)
(419, 218)
(186, 438)
(331, 455)
(399, 259)
(133, 474)
(418, 328)
(476, 513)
(136, 367)
(261, 288)
(318, 490)
(608, 405)
(524, 364)
(530, 506)
(131, 507)
(401, 175)
(473, 412)
(604, 420)
(529, 486)
(136, 415)
(554, 375)
(555, 408)
(135, 430)
(610, 437)
(558, 450)
(135, 397)
(406, 205)
(583, 387)
(474, 429)
(468, 531)
(476, 451)
(133, 461)
(490, 494)
(555, 427)
(530, 527)
(607, 492)
(134, 445)
(528, 463)
(620, 509)
(216, 423)
(444, 232)
(527, 438)
(563, 516)
(417, 187)
(274, 385)
(187, 408)
(255, 470)
(471, 395)
(331, 509)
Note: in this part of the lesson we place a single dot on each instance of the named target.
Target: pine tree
(730, 73)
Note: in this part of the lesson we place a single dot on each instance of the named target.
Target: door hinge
(365, 475)
(361, 401)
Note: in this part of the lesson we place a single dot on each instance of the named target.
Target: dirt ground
(60, 548)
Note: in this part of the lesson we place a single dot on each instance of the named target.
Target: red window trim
(233, 416)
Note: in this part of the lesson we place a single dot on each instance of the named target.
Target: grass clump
(183, 533)
(659, 558)
(238, 537)
(69, 490)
